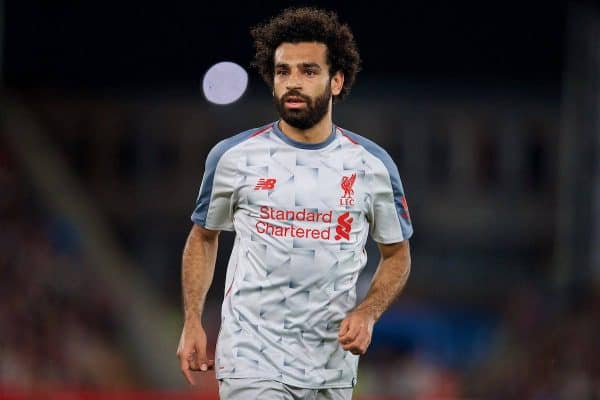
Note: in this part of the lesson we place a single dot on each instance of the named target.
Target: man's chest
(296, 194)
(291, 179)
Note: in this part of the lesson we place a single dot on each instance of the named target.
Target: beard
(310, 115)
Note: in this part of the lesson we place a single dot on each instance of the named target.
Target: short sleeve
(214, 205)
(389, 216)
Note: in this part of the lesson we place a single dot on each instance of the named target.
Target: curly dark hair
(307, 24)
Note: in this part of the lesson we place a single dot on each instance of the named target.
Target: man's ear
(337, 83)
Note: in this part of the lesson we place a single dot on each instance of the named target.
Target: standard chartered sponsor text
(263, 226)
(294, 215)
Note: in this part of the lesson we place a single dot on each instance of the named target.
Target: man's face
(302, 86)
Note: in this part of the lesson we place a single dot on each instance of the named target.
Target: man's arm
(198, 266)
(389, 280)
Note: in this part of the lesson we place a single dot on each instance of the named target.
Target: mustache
(295, 93)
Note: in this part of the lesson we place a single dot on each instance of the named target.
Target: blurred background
(490, 110)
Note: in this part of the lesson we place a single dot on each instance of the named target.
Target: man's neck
(316, 134)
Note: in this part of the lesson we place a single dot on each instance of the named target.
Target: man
(302, 195)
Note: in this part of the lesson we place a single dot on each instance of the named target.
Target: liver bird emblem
(347, 183)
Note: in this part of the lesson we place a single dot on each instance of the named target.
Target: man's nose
(294, 81)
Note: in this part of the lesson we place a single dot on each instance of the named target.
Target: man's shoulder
(223, 146)
(369, 145)
(241, 137)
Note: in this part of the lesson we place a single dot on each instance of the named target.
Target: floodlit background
(490, 110)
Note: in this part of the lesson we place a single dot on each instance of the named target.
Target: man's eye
(310, 73)
(281, 72)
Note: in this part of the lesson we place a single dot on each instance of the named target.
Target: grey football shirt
(301, 213)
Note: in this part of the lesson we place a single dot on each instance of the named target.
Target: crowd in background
(544, 347)
(57, 325)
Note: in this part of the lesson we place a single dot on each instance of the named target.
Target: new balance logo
(344, 226)
(265, 184)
